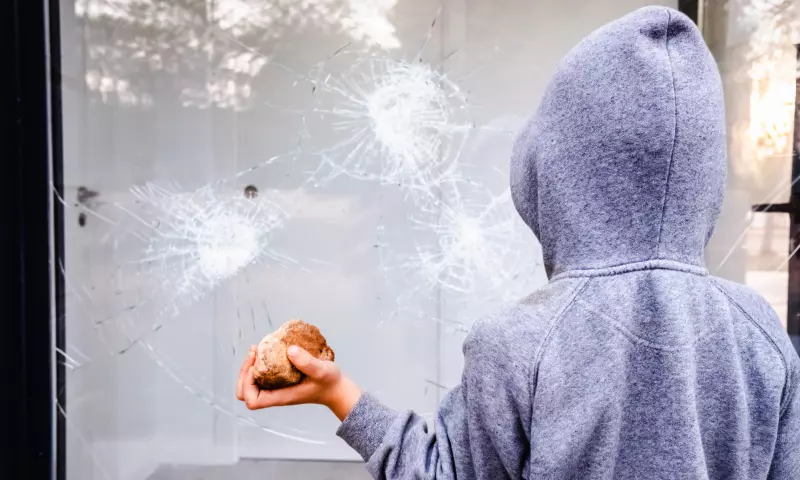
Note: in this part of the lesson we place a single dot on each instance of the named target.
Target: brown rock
(272, 369)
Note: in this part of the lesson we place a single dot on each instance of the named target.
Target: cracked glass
(233, 164)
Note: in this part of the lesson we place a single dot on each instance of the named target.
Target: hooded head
(624, 161)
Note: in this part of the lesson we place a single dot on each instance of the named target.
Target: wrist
(342, 397)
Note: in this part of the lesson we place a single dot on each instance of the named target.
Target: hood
(624, 160)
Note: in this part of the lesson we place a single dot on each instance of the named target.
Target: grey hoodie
(633, 362)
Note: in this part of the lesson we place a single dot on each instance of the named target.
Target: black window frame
(32, 242)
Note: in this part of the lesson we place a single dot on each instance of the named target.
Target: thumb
(305, 362)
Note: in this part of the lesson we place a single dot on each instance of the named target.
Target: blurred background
(227, 165)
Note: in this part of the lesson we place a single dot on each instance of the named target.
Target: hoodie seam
(789, 394)
(643, 342)
(623, 268)
(534, 377)
(787, 374)
(674, 135)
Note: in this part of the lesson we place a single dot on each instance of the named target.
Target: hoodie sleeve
(480, 431)
(786, 458)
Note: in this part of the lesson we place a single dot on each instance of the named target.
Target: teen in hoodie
(633, 362)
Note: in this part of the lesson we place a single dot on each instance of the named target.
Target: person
(633, 362)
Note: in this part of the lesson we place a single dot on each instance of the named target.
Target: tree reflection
(211, 50)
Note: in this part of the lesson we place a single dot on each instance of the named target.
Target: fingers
(316, 371)
(250, 389)
(312, 367)
(248, 362)
(298, 394)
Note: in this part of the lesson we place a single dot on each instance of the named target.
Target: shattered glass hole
(250, 191)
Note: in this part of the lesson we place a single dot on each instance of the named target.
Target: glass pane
(233, 164)
(230, 165)
(754, 44)
(223, 176)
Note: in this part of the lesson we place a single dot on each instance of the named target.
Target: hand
(249, 361)
(324, 384)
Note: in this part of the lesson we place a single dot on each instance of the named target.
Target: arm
(786, 458)
(480, 429)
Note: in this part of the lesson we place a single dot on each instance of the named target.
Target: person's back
(660, 372)
(633, 362)
(647, 367)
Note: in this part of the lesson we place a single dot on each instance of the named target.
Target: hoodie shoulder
(759, 311)
(517, 333)
(762, 315)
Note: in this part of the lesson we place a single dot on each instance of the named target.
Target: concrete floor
(265, 470)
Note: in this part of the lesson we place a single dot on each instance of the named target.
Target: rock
(272, 369)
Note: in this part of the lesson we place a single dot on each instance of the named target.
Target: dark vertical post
(57, 226)
(690, 8)
(28, 124)
(793, 317)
